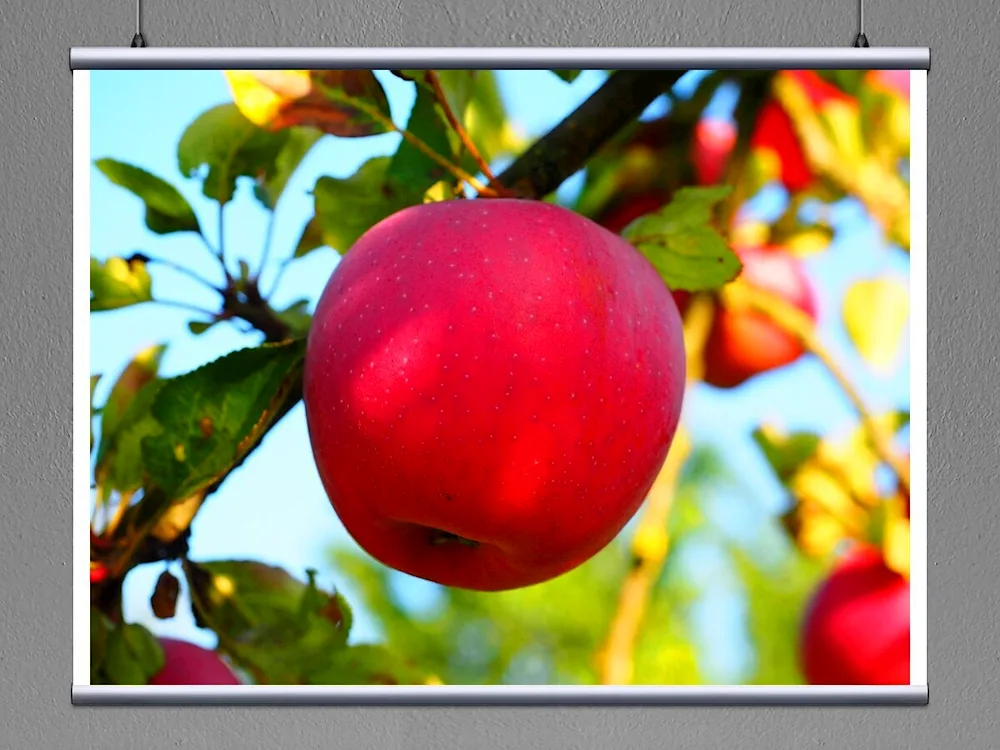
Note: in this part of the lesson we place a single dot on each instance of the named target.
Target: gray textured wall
(36, 345)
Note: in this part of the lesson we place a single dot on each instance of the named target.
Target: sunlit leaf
(227, 146)
(141, 370)
(167, 210)
(876, 312)
(411, 169)
(297, 317)
(282, 630)
(118, 283)
(198, 327)
(132, 656)
(347, 208)
(785, 453)
(681, 243)
(210, 418)
(344, 103)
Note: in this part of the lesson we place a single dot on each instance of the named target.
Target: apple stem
(444, 537)
(463, 134)
(649, 551)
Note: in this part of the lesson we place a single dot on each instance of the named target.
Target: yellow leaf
(261, 94)
(896, 545)
(750, 234)
(809, 241)
(876, 312)
(843, 122)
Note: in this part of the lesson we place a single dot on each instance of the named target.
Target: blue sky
(284, 518)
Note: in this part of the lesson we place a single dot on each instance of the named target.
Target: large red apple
(188, 664)
(743, 343)
(491, 387)
(857, 626)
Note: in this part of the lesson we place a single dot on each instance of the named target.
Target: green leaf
(198, 327)
(120, 666)
(94, 379)
(229, 146)
(369, 665)
(272, 186)
(296, 316)
(310, 239)
(99, 627)
(120, 464)
(279, 628)
(567, 75)
(213, 416)
(681, 243)
(167, 210)
(486, 120)
(786, 453)
(347, 208)
(118, 283)
(144, 647)
(411, 170)
(141, 370)
(133, 655)
(125, 421)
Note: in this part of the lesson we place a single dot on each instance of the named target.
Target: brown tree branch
(567, 147)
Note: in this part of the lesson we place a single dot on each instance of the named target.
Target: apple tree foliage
(166, 444)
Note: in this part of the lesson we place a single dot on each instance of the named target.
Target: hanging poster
(496, 376)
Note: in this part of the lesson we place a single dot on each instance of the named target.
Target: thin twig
(798, 324)
(417, 143)
(458, 127)
(268, 241)
(185, 306)
(178, 269)
(649, 553)
(651, 542)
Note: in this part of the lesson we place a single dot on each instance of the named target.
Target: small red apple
(744, 343)
(491, 387)
(774, 132)
(188, 664)
(857, 626)
(713, 143)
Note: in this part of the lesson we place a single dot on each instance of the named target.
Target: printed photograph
(499, 378)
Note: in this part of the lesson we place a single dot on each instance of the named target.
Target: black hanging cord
(138, 40)
(860, 40)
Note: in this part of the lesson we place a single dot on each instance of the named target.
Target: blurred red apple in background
(623, 212)
(744, 343)
(894, 81)
(857, 626)
(775, 132)
(491, 387)
(188, 664)
(713, 143)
